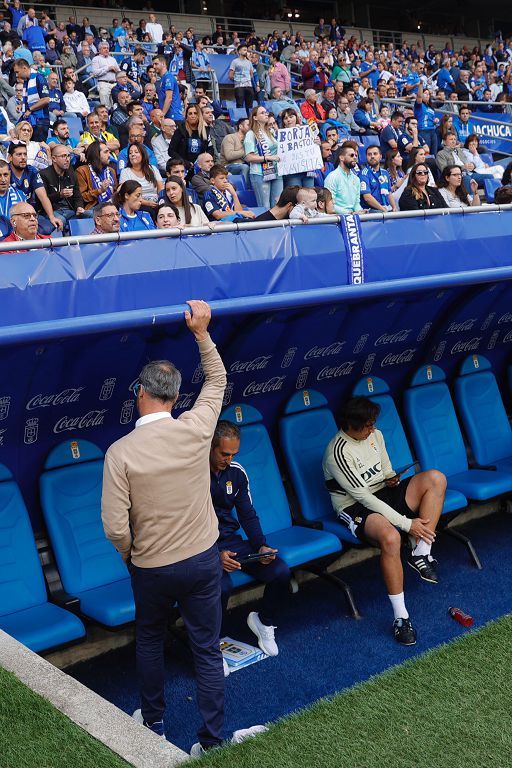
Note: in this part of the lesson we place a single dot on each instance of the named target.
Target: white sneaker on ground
(226, 667)
(264, 633)
(137, 716)
(197, 750)
(157, 728)
(246, 733)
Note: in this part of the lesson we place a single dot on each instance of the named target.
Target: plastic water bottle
(462, 618)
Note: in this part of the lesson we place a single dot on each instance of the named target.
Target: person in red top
(24, 225)
(311, 110)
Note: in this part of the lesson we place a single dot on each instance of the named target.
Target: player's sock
(398, 605)
(422, 549)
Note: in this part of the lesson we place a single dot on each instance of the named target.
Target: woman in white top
(453, 190)
(189, 214)
(148, 176)
(261, 154)
(472, 155)
(38, 153)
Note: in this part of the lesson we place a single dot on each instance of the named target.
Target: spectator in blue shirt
(36, 99)
(369, 69)
(462, 124)
(28, 181)
(362, 117)
(35, 39)
(168, 90)
(128, 199)
(124, 84)
(375, 183)
(56, 105)
(390, 135)
(427, 120)
(200, 63)
(444, 78)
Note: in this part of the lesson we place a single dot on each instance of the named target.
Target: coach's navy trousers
(195, 584)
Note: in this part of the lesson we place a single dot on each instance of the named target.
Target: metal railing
(119, 237)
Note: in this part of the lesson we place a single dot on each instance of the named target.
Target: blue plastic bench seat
(397, 445)
(89, 566)
(297, 545)
(306, 429)
(483, 414)
(438, 439)
(25, 612)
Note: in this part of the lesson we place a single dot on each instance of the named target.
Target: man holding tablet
(230, 491)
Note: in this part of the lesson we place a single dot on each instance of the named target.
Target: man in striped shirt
(372, 502)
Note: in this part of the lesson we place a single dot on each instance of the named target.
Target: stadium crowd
(120, 124)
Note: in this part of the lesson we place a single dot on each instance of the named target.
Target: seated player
(372, 501)
(229, 487)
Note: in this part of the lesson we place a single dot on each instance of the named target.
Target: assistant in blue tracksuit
(233, 505)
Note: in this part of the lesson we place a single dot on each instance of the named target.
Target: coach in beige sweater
(158, 513)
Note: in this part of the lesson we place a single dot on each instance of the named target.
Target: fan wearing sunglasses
(417, 195)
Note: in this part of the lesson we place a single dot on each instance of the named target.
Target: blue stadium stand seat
(399, 452)
(25, 612)
(80, 227)
(301, 547)
(369, 141)
(236, 113)
(75, 127)
(247, 197)
(487, 158)
(89, 566)
(483, 414)
(490, 186)
(438, 440)
(238, 181)
(305, 429)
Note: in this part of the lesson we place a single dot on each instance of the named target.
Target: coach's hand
(228, 564)
(198, 318)
(420, 530)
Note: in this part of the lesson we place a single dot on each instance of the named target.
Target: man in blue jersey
(444, 79)
(375, 183)
(426, 117)
(229, 487)
(9, 195)
(36, 98)
(27, 180)
(168, 90)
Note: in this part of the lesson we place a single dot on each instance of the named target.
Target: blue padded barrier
(438, 440)
(89, 566)
(306, 428)
(297, 545)
(25, 612)
(81, 226)
(483, 414)
(397, 445)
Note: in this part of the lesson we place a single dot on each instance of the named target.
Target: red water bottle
(463, 618)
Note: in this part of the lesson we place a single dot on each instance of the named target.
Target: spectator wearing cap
(310, 109)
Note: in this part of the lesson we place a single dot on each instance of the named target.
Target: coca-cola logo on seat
(332, 349)
(71, 395)
(336, 371)
(466, 346)
(401, 357)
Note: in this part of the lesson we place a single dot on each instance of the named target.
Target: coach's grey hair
(161, 380)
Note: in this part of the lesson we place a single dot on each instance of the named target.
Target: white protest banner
(297, 150)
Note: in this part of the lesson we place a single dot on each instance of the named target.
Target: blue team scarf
(97, 178)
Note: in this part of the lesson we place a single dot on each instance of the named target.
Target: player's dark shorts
(354, 517)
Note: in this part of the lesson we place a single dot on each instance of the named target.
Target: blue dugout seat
(80, 226)
(490, 186)
(438, 440)
(483, 414)
(299, 546)
(25, 612)
(89, 566)
(306, 428)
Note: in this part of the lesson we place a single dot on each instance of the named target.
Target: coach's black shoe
(425, 565)
(404, 632)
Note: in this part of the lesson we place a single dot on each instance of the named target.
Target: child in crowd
(306, 204)
(221, 202)
(324, 202)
